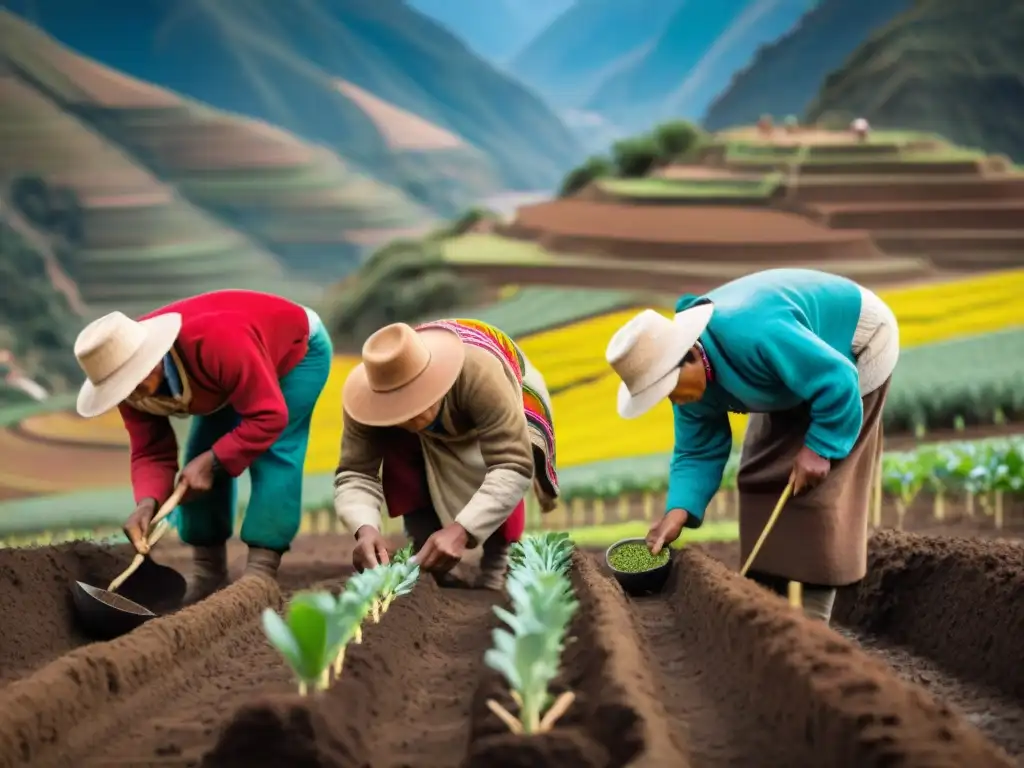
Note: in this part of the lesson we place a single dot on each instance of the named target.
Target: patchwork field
(203, 685)
(177, 197)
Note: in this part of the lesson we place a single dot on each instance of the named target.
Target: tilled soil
(713, 672)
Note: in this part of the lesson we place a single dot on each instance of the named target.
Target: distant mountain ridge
(692, 60)
(570, 59)
(785, 76)
(945, 66)
(280, 62)
(497, 35)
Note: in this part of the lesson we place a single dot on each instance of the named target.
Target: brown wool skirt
(821, 535)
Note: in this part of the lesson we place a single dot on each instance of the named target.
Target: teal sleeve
(822, 377)
(703, 442)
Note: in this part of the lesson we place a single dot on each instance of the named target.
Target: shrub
(636, 156)
(596, 167)
(677, 138)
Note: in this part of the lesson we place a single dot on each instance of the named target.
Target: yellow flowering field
(572, 361)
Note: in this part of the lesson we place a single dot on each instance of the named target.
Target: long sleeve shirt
(235, 347)
(778, 338)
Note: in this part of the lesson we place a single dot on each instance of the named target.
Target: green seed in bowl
(635, 557)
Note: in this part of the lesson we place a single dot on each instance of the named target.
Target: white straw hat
(646, 354)
(117, 353)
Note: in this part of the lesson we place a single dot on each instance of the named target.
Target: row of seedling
(527, 652)
(317, 627)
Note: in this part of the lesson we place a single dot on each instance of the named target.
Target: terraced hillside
(141, 242)
(295, 200)
(911, 194)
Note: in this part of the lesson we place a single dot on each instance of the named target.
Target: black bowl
(152, 590)
(644, 582)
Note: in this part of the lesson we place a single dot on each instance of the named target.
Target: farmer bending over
(449, 424)
(249, 368)
(809, 355)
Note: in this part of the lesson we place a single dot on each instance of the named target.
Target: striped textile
(536, 400)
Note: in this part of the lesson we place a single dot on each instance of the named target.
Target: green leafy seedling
(303, 637)
(529, 655)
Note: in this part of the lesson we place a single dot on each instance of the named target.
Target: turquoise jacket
(777, 339)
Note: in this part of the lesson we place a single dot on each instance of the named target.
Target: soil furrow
(439, 676)
(760, 684)
(997, 716)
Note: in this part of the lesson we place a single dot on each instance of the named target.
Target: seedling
(305, 637)
(529, 655)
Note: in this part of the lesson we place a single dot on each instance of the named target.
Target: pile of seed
(634, 557)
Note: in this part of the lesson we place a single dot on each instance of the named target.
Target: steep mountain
(496, 30)
(590, 41)
(692, 60)
(282, 62)
(785, 76)
(948, 66)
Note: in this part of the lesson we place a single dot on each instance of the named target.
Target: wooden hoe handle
(767, 528)
(157, 528)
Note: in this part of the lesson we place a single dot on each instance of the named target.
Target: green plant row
(975, 463)
(985, 472)
(957, 384)
(317, 627)
(527, 652)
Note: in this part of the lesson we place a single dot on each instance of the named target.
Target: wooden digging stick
(157, 528)
(767, 528)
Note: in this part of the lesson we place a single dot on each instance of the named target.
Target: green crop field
(653, 187)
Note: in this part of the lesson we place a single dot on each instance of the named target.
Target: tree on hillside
(677, 138)
(636, 156)
(594, 168)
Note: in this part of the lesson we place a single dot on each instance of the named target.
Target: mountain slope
(784, 77)
(135, 154)
(587, 43)
(947, 66)
(506, 27)
(281, 61)
(693, 60)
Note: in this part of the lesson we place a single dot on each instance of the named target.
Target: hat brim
(687, 326)
(389, 409)
(161, 333)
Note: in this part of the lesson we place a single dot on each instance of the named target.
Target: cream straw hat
(117, 353)
(646, 354)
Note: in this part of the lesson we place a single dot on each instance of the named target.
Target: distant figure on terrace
(449, 424)
(860, 129)
(249, 368)
(810, 356)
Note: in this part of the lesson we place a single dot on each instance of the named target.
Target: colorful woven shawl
(535, 405)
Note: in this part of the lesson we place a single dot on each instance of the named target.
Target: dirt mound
(35, 600)
(941, 596)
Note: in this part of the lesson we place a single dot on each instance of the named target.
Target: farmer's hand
(444, 549)
(136, 527)
(666, 530)
(199, 474)
(809, 469)
(371, 549)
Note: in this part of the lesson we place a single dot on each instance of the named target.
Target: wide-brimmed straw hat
(646, 354)
(403, 373)
(117, 353)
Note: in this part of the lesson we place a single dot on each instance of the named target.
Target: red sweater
(235, 347)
